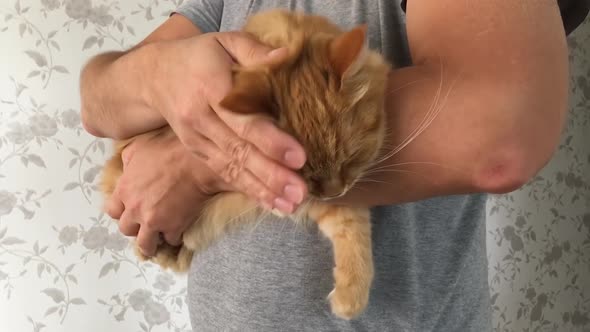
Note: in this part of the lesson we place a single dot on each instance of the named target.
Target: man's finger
(147, 240)
(114, 206)
(237, 173)
(127, 154)
(173, 239)
(242, 165)
(127, 225)
(273, 142)
(230, 155)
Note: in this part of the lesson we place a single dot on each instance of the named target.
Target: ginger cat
(329, 95)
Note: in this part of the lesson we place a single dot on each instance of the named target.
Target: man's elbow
(87, 112)
(501, 177)
(523, 139)
(89, 124)
(92, 113)
(511, 169)
(101, 128)
(515, 154)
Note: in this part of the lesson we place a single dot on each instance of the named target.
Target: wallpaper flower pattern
(65, 267)
(539, 236)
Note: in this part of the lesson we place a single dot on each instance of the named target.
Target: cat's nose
(331, 189)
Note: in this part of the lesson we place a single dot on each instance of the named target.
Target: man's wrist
(203, 177)
(195, 168)
(144, 62)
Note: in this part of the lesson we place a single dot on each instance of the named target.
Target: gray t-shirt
(430, 257)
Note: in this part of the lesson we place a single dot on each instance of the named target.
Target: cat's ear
(251, 93)
(348, 52)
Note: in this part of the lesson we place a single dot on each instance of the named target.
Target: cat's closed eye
(326, 75)
(316, 182)
(349, 171)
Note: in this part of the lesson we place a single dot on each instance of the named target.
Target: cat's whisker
(406, 163)
(443, 104)
(356, 186)
(360, 187)
(431, 109)
(257, 221)
(298, 217)
(285, 222)
(386, 145)
(456, 169)
(418, 129)
(302, 211)
(260, 217)
(405, 86)
(414, 134)
(430, 116)
(395, 170)
(400, 164)
(373, 181)
(392, 170)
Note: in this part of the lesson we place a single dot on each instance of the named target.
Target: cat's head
(330, 96)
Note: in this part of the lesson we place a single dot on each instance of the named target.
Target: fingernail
(283, 205)
(293, 194)
(277, 52)
(265, 205)
(294, 159)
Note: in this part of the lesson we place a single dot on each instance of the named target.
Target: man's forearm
(500, 101)
(115, 86)
(421, 158)
(115, 97)
(475, 138)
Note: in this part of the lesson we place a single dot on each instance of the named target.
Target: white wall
(539, 236)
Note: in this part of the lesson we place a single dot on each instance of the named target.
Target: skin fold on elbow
(524, 132)
(501, 176)
(510, 166)
(89, 114)
(88, 124)
(93, 91)
(87, 111)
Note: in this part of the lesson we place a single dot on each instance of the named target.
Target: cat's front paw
(348, 302)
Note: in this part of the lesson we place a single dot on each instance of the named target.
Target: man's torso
(430, 260)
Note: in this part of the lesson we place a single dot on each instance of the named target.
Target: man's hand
(190, 78)
(162, 190)
(178, 76)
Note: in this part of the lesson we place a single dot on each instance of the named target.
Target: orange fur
(328, 94)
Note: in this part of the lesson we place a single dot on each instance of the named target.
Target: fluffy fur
(329, 95)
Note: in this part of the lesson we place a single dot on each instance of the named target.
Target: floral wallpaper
(539, 236)
(64, 266)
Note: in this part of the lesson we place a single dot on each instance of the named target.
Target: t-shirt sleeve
(573, 13)
(205, 14)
